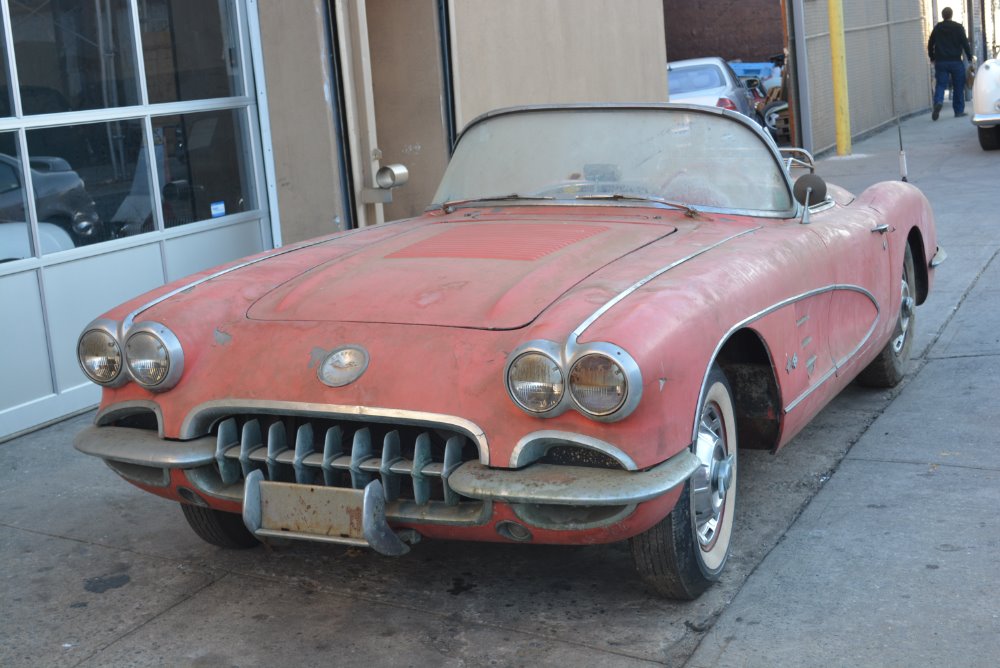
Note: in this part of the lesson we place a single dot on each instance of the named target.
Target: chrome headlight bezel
(573, 389)
(108, 328)
(565, 358)
(550, 351)
(172, 348)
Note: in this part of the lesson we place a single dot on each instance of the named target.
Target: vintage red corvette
(567, 347)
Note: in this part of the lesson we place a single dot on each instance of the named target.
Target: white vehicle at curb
(986, 104)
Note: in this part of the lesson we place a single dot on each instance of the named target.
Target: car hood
(477, 275)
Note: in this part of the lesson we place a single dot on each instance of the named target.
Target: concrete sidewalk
(893, 563)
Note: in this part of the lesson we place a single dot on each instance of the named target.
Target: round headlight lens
(598, 384)
(535, 382)
(100, 356)
(148, 359)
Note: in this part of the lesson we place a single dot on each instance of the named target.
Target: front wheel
(989, 138)
(686, 551)
(888, 369)
(219, 528)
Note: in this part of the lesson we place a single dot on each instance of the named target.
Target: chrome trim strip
(575, 336)
(105, 416)
(130, 318)
(573, 485)
(198, 420)
(782, 304)
(534, 446)
(144, 447)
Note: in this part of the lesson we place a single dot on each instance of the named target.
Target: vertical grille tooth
(333, 447)
(303, 447)
(226, 438)
(421, 458)
(390, 455)
(250, 441)
(277, 442)
(360, 451)
(452, 460)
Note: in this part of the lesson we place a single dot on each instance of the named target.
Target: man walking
(945, 48)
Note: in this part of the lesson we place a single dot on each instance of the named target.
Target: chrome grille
(412, 463)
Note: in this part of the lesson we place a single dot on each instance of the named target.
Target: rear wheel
(888, 369)
(686, 552)
(989, 138)
(219, 528)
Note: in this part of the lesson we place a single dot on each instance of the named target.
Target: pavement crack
(160, 613)
(917, 462)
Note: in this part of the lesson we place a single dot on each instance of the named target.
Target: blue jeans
(955, 71)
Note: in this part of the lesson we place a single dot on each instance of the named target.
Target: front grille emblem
(343, 366)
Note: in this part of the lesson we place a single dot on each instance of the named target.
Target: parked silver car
(710, 82)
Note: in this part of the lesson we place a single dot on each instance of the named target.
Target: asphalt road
(97, 573)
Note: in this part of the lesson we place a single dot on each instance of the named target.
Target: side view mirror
(809, 189)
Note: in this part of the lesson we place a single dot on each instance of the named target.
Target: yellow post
(841, 106)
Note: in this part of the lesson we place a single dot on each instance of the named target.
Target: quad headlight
(598, 384)
(535, 382)
(152, 355)
(603, 381)
(99, 354)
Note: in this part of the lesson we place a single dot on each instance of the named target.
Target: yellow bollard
(838, 56)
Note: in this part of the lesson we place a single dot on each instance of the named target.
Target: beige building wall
(300, 91)
(874, 70)
(538, 51)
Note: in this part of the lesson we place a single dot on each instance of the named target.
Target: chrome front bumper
(545, 484)
(985, 120)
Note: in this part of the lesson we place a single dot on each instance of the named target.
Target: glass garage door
(130, 155)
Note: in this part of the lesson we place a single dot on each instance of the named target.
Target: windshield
(679, 155)
(695, 77)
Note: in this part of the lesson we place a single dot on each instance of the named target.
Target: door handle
(881, 229)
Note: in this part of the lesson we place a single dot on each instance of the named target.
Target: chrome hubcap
(905, 313)
(713, 479)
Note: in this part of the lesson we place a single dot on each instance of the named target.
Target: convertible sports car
(569, 346)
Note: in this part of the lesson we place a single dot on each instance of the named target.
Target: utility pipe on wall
(838, 57)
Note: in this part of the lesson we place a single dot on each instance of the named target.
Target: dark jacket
(948, 41)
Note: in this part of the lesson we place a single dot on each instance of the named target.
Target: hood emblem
(343, 366)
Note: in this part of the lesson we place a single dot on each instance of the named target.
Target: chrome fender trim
(534, 446)
(572, 485)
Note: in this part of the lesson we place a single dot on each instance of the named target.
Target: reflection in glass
(202, 165)
(73, 55)
(14, 237)
(87, 184)
(190, 49)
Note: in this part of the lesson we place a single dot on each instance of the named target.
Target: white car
(710, 82)
(986, 104)
(14, 243)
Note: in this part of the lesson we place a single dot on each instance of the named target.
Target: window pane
(73, 55)
(204, 166)
(190, 49)
(6, 108)
(14, 238)
(92, 179)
